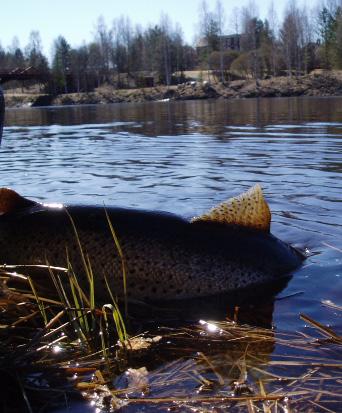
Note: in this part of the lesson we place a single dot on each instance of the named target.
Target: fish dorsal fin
(248, 210)
(10, 201)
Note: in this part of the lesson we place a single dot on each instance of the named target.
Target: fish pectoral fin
(247, 210)
(11, 201)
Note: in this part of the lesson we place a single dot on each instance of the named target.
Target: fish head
(11, 201)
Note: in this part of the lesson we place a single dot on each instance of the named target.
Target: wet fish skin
(167, 257)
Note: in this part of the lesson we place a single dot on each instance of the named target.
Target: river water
(185, 157)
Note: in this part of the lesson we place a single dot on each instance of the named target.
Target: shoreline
(315, 84)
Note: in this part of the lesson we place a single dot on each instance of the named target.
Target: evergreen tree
(61, 64)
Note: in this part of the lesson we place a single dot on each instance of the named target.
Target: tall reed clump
(45, 328)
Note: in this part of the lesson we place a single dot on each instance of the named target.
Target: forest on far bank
(230, 44)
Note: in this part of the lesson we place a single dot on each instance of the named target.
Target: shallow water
(184, 157)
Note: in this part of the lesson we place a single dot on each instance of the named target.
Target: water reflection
(176, 118)
(250, 306)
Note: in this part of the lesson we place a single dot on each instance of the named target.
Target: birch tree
(273, 22)
(291, 37)
(220, 17)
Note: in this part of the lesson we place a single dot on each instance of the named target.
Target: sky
(76, 19)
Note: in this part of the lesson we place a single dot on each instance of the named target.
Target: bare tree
(209, 32)
(251, 39)
(235, 20)
(165, 26)
(34, 52)
(220, 17)
(306, 32)
(102, 37)
(118, 54)
(177, 41)
(291, 36)
(127, 34)
(273, 22)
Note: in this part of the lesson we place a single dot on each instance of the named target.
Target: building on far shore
(229, 42)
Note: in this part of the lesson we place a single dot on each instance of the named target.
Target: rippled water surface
(185, 157)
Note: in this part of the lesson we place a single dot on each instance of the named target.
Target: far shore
(318, 83)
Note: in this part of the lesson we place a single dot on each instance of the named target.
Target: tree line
(124, 55)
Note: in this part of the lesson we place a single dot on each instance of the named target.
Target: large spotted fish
(166, 256)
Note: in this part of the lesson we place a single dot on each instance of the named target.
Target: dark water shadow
(252, 306)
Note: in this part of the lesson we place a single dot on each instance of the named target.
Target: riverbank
(318, 83)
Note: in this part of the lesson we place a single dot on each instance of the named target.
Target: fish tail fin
(249, 210)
